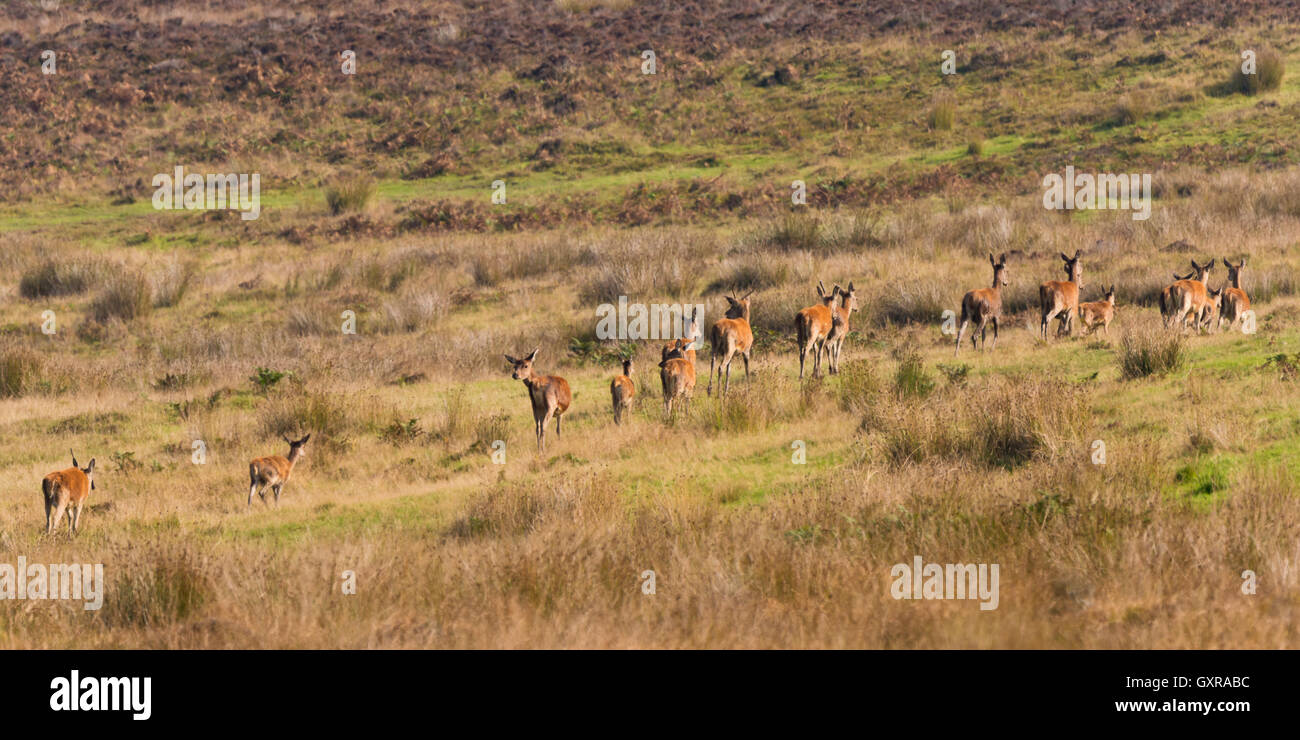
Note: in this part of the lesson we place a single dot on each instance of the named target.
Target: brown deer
(840, 324)
(1187, 298)
(984, 305)
(729, 337)
(678, 377)
(1208, 313)
(1164, 294)
(1060, 298)
(274, 471)
(692, 334)
(812, 327)
(1234, 303)
(621, 390)
(65, 492)
(1098, 313)
(549, 394)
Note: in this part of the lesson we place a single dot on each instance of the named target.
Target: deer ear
(992, 261)
(850, 286)
(1077, 252)
(1002, 258)
(91, 467)
(533, 355)
(1242, 263)
(511, 360)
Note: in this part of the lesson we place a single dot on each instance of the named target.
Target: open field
(177, 326)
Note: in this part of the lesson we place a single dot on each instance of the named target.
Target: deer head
(523, 369)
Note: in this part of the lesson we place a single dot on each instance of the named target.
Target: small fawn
(1187, 298)
(1060, 298)
(274, 471)
(621, 390)
(692, 334)
(1234, 303)
(549, 395)
(984, 305)
(66, 491)
(729, 337)
(812, 327)
(840, 324)
(1098, 313)
(678, 377)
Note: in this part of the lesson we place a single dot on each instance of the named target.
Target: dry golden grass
(985, 459)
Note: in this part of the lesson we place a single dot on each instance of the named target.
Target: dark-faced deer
(1060, 298)
(1098, 313)
(840, 324)
(549, 395)
(984, 305)
(729, 337)
(678, 377)
(621, 391)
(1188, 298)
(1234, 302)
(274, 471)
(812, 326)
(65, 492)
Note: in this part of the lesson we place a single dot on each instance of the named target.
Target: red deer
(274, 471)
(692, 335)
(729, 337)
(1234, 303)
(678, 377)
(1164, 294)
(840, 324)
(1208, 312)
(621, 390)
(1188, 298)
(1098, 313)
(65, 492)
(549, 394)
(984, 305)
(812, 327)
(1060, 298)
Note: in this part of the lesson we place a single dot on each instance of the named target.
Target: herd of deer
(1187, 298)
(819, 329)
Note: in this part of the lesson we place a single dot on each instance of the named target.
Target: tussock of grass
(350, 195)
(1149, 349)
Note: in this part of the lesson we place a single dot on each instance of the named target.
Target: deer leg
(76, 518)
(995, 331)
(59, 508)
(541, 429)
(252, 488)
(709, 390)
(745, 357)
(960, 332)
(557, 425)
(275, 490)
(49, 522)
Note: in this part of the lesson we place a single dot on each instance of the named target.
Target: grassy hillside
(173, 327)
